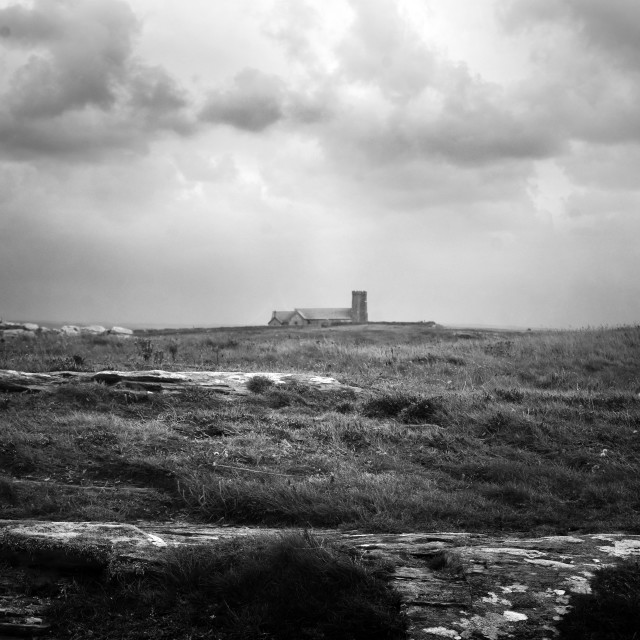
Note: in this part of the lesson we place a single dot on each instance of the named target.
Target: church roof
(333, 313)
(283, 316)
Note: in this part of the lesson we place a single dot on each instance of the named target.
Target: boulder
(70, 330)
(121, 332)
(10, 325)
(25, 326)
(93, 330)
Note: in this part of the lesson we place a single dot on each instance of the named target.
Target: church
(356, 314)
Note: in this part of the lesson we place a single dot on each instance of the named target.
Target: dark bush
(8, 493)
(405, 408)
(514, 395)
(259, 384)
(388, 405)
(611, 611)
(424, 410)
(67, 363)
(289, 588)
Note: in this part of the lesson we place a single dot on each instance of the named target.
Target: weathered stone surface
(93, 330)
(30, 326)
(70, 330)
(10, 325)
(74, 545)
(225, 382)
(120, 331)
(485, 587)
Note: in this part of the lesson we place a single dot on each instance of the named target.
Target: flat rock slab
(225, 382)
(75, 545)
(453, 585)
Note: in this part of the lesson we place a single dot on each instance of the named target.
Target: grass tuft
(259, 384)
(514, 395)
(405, 408)
(286, 588)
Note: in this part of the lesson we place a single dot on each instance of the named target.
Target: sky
(203, 163)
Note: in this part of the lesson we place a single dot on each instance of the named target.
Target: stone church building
(356, 314)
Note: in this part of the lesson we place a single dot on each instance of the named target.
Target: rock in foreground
(225, 382)
(453, 585)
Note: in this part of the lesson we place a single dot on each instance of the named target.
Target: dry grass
(497, 431)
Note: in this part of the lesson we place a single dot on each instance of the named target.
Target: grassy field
(476, 430)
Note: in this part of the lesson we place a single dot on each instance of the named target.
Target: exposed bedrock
(453, 585)
(225, 382)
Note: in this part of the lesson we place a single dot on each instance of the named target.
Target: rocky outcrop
(120, 332)
(70, 330)
(10, 331)
(93, 330)
(24, 326)
(452, 585)
(225, 382)
(29, 330)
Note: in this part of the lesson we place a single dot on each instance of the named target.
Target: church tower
(359, 307)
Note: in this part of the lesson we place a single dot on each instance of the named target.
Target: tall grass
(588, 360)
(503, 431)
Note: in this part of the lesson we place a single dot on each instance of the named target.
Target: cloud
(382, 48)
(612, 27)
(398, 99)
(87, 45)
(310, 132)
(77, 89)
(586, 65)
(253, 102)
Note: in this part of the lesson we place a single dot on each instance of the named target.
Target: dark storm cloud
(78, 90)
(253, 102)
(158, 101)
(86, 47)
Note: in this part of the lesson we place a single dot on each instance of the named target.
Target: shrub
(8, 493)
(259, 384)
(388, 405)
(448, 562)
(514, 395)
(405, 408)
(67, 363)
(287, 588)
(611, 611)
(423, 410)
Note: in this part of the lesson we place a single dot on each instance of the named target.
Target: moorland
(474, 430)
(533, 432)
